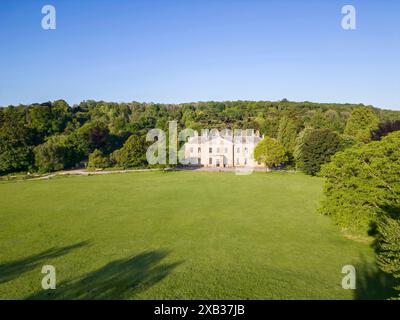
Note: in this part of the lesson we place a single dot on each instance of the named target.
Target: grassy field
(177, 235)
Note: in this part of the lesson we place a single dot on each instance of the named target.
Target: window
(198, 161)
(210, 161)
(226, 150)
(245, 161)
(199, 150)
(245, 150)
(217, 150)
(237, 161)
(238, 150)
(191, 150)
(210, 150)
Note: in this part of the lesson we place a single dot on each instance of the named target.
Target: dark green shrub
(270, 152)
(50, 156)
(132, 154)
(317, 148)
(98, 160)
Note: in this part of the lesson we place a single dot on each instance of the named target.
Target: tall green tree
(316, 148)
(132, 154)
(363, 182)
(287, 134)
(270, 152)
(360, 124)
(50, 156)
(16, 145)
(299, 146)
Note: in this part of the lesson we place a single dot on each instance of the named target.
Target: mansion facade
(222, 149)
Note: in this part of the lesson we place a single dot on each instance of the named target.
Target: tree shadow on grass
(372, 283)
(13, 269)
(119, 279)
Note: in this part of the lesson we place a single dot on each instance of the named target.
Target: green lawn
(177, 235)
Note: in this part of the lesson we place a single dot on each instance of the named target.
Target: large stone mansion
(223, 149)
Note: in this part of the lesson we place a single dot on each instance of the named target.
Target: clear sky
(199, 50)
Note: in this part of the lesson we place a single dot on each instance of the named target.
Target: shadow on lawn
(117, 280)
(13, 269)
(372, 283)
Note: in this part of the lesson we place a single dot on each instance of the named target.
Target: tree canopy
(316, 147)
(270, 152)
(360, 124)
(366, 179)
(362, 191)
(132, 154)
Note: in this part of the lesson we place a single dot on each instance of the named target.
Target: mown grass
(177, 235)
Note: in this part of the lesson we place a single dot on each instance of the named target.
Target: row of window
(217, 162)
(218, 150)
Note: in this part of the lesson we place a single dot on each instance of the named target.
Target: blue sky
(190, 50)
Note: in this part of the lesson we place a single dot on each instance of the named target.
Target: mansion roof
(241, 137)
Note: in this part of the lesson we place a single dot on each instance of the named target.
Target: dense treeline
(53, 135)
